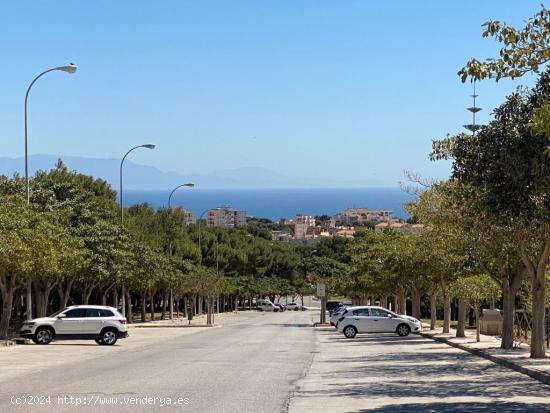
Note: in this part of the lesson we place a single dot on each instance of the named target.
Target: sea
(275, 204)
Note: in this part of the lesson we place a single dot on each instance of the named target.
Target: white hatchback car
(372, 319)
(103, 324)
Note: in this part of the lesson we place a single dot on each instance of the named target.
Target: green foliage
(523, 50)
(476, 289)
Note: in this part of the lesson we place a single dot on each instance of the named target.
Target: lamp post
(189, 185)
(199, 229)
(71, 68)
(148, 146)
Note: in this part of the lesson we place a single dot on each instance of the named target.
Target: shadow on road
(492, 407)
(395, 370)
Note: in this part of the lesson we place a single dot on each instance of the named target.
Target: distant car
(282, 307)
(336, 315)
(372, 319)
(103, 324)
(267, 306)
(293, 306)
(333, 305)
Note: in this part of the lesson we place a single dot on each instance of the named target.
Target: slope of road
(247, 365)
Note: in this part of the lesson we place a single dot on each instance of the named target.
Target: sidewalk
(489, 348)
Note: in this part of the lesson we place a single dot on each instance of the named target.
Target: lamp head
(71, 68)
(150, 146)
(189, 184)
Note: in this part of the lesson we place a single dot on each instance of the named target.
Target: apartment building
(303, 225)
(225, 217)
(363, 215)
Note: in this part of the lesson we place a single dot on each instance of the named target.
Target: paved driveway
(386, 373)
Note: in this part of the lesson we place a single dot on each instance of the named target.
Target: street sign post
(321, 293)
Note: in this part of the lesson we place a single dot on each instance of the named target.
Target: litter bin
(490, 322)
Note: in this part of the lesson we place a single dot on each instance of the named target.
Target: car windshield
(58, 312)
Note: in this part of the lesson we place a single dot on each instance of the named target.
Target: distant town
(308, 228)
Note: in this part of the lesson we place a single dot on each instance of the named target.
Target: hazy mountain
(138, 176)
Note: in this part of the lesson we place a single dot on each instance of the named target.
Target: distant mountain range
(138, 176)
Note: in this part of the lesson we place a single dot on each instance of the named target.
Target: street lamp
(147, 146)
(71, 68)
(199, 229)
(189, 185)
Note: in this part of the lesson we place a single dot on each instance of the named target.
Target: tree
(524, 50)
(475, 289)
(507, 166)
(485, 244)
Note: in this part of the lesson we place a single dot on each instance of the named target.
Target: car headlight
(29, 323)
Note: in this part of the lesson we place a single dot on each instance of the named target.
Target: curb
(173, 326)
(535, 374)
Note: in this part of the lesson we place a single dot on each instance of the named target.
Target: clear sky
(353, 90)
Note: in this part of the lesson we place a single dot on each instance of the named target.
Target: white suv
(267, 306)
(371, 319)
(89, 322)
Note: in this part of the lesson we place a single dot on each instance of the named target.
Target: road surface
(247, 365)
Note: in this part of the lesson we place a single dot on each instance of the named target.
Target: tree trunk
(171, 305)
(41, 297)
(384, 302)
(477, 323)
(64, 291)
(400, 300)
(143, 307)
(461, 321)
(115, 297)
(446, 313)
(103, 298)
(433, 309)
(86, 292)
(208, 312)
(7, 303)
(416, 297)
(163, 306)
(129, 315)
(508, 312)
(152, 301)
(537, 328)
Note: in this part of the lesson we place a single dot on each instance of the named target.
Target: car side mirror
(61, 316)
(390, 316)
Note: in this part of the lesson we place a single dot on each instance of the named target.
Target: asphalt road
(384, 373)
(249, 364)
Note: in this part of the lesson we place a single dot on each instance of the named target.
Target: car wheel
(260, 309)
(108, 337)
(43, 335)
(350, 331)
(295, 308)
(403, 330)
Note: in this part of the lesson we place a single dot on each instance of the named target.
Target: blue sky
(347, 90)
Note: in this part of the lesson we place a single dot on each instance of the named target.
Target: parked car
(293, 306)
(372, 319)
(282, 307)
(103, 324)
(336, 315)
(333, 305)
(267, 306)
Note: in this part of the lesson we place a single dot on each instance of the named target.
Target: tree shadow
(491, 407)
